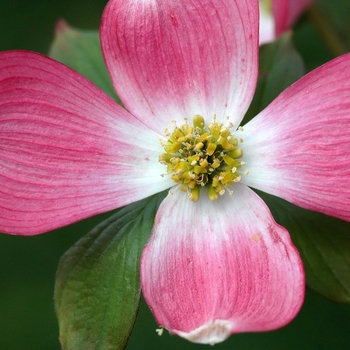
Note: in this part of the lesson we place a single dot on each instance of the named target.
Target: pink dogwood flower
(277, 16)
(216, 263)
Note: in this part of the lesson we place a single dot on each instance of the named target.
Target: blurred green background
(28, 264)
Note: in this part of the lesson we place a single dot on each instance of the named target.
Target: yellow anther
(186, 177)
(187, 129)
(176, 177)
(172, 147)
(193, 158)
(229, 161)
(204, 163)
(197, 169)
(194, 194)
(225, 132)
(198, 146)
(237, 179)
(227, 177)
(170, 168)
(164, 158)
(181, 166)
(236, 153)
(211, 148)
(219, 188)
(203, 137)
(198, 156)
(215, 132)
(183, 188)
(175, 160)
(192, 184)
(215, 181)
(212, 194)
(225, 144)
(216, 163)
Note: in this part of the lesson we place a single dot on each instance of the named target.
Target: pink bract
(283, 15)
(68, 151)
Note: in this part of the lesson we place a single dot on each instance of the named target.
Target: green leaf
(81, 51)
(280, 65)
(323, 243)
(331, 20)
(97, 290)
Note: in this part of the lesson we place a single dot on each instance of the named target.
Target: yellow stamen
(198, 156)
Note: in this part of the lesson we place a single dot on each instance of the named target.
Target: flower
(216, 263)
(277, 16)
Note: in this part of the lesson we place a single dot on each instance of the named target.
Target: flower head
(277, 16)
(216, 262)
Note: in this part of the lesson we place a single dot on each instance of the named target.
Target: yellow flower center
(198, 156)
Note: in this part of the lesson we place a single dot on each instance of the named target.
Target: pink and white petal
(298, 148)
(171, 60)
(212, 269)
(67, 151)
(266, 23)
(280, 10)
(296, 8)
(286, 12)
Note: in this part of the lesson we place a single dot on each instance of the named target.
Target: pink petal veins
(286, 12)
(298, 148)
(213, 269)
(174, 59)
(67, 151)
